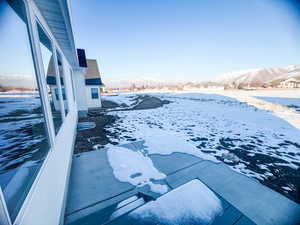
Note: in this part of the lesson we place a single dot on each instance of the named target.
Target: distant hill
(259, 77)
(16, 81)
(147, 82)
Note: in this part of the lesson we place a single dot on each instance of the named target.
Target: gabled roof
(92, 69)
(92, 76)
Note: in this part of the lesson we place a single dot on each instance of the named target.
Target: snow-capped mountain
(257, 77)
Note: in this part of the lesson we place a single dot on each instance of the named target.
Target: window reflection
(51, 79)
(23, 136)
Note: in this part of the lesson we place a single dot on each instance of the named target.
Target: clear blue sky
(186, 39)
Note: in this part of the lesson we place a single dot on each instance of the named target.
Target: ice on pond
(191, 203)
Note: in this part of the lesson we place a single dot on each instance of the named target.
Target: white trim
(47, 29)
(69, 27)
(48, 196)
(30, 193)
(39, 71)
(4, 215)
(46, 199)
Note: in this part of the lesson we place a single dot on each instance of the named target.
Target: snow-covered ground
(251, 141)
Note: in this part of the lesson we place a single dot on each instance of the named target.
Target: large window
(23, 132)
(53, 88)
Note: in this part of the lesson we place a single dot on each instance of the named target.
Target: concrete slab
(93, 187)
(185, 175)
(259, 203)
(93, 214)
(244, 221)
(169, 164)
(165, 163)
(229, 217)
(92, 181)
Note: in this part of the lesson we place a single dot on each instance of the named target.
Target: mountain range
(259, 77)
(251, 77)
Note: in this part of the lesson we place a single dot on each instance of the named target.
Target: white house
(34, 34)
(290, 83)
(92, 83)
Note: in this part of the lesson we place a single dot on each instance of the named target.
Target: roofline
(65, 5)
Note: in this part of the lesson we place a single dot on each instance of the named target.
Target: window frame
(93, 94)
(31, 30)
(72, 82)
(56, 69)
(31, 205)
(62, 78)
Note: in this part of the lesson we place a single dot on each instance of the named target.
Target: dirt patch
(106, 104)
(87, 139)
(98, 137)
(149, 102)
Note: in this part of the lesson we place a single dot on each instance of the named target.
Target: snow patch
(162, 142)
(190, 203)
(135, 168)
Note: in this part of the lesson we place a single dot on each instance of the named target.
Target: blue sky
(186, 39)
(170, 39)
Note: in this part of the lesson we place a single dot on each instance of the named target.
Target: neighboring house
(290, 83)
(92, 84)
(54, 88)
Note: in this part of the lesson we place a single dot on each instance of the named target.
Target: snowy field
(251, 141)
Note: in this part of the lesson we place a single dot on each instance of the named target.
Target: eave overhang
(57, 16)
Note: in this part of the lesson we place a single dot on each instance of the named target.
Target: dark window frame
(95, 95)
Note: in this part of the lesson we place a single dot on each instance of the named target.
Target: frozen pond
(293, 103)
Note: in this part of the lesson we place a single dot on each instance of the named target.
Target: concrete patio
(95, 195)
